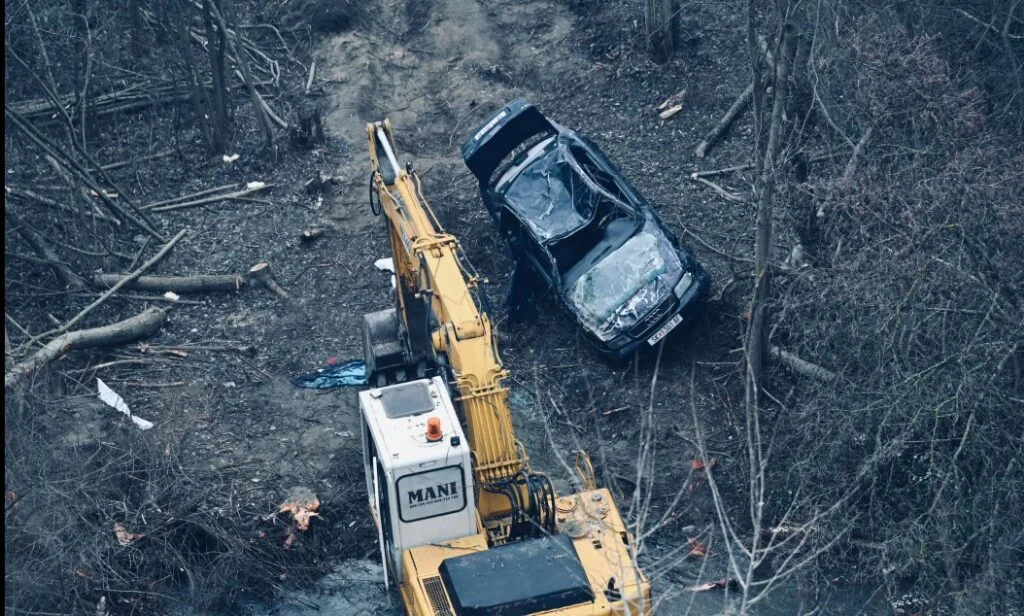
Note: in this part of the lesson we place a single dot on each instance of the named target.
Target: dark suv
(575, 223)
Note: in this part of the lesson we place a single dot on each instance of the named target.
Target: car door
(540, 260)
(530, 276)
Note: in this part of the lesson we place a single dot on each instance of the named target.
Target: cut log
(138, 326)
(262, 274)
(802, 366)
(671, 111)
(738, 107)
(312, 233)
(177, 284)
(145, 266)
(675, 99)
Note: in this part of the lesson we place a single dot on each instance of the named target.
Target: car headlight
(683, 284)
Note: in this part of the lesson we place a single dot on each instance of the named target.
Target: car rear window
(523, 157)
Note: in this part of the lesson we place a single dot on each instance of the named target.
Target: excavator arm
(445, 331)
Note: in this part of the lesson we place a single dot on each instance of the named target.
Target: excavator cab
(417, 464)
(421, 495)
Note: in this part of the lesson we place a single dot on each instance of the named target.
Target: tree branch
(139, 326)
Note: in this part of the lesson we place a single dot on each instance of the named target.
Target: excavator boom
(436, 285)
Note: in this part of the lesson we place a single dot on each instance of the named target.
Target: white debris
(110, 397)
(171, 295)
(230, 158)
(386, 265)
(256, 185)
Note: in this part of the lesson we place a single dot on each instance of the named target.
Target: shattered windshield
(551, 195)
(625, 285)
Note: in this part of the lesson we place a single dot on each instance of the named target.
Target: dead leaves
(302, 505)
(699, 468)
(124, 537)
(697, 549)
(700, 465)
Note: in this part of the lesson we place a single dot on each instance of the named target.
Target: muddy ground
(437, 70)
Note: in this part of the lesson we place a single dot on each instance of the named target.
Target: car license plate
(661, 333)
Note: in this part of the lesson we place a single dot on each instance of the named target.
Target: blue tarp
(349, 374)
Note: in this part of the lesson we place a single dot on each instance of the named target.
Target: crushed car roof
(550, 192)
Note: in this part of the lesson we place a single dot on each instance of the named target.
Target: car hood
(628, 283)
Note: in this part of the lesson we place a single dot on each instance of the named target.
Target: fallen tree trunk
(137, 273)
(138, 326)
(802, 366)
(251, 188)
(182, 198)
(72, 165)
(215, 283)
(739, 106)
(31, 196)
(138, 159)
(134, 97)
(259, 275)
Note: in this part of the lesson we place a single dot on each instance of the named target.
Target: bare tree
(216, 44)
(660, 24)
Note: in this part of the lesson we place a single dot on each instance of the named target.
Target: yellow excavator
(465, 526)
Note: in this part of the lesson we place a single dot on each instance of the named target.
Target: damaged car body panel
(582, 231)
(626, 285)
